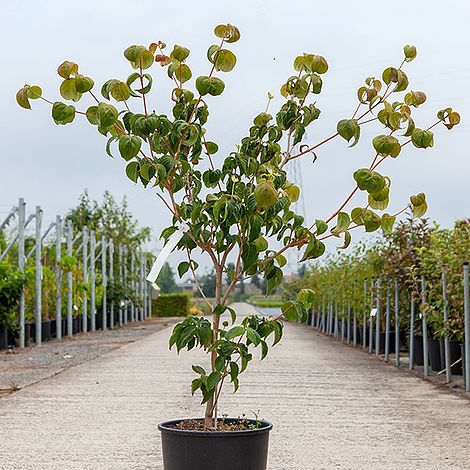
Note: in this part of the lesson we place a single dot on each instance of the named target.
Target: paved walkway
(332, 408)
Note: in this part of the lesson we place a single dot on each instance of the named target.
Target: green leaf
(228, 32)
(26, 93)
(253, 336)
(348, 129)
(183, 268)
(289, 311)
(225, 60)
(342, 223)
(83, 84)
(386, 223)
(132, 171)
(368, 180)
(422, 139)
(306, 296)
(198, 370)
(265, 194)
(67, 68)
(92, 115)
(292, 192)
(321, 226)
(347, 240)
(262, 119)
(146, 171)
(419, 205)
(209, 85)
(213, 380)
(234, 332)
(68, 90)
(107, 115)
(120, 91)
(273, 279)
(62, 113)
(129, 146)
(179, 53)
(410, 52)
(108, 146)
(211, 147)
(315, 249)
(386, 145)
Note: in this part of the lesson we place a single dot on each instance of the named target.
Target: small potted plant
(238, 207)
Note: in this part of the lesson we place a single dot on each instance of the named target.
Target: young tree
(238, 204)
(166, 280)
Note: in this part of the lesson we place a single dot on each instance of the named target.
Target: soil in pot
(235, 448)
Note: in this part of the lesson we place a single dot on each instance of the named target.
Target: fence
(366, 327)
(84, 265)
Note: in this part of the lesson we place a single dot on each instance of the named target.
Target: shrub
(171, 305)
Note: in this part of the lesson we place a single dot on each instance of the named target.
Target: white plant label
(373, 312)
(167, 249)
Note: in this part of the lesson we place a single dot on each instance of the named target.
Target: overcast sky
(51, 165)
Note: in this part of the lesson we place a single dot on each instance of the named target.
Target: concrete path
(332, 408)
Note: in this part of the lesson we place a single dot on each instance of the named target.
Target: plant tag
(373, 312)
(167, 249)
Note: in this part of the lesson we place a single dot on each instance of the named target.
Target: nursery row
(387, 325)
(66, 278)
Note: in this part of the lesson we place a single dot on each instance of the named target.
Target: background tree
(166, 280)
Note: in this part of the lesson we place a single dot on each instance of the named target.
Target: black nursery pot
(212, 450)
(46, 330)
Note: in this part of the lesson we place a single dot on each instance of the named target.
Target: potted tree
(238, 207)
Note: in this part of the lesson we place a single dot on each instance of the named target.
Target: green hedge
(268, 303)
(171, 305)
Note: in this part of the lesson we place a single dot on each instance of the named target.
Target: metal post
(85, 279)
(150, 291)
(58, 277)
(38, 277)
(397, 325)
(141, 288)
(377, 321)
(446, 319)
(104, 244)
(412, 331)
(348, 338)
(364, 317)
(124, 281)
(467, 325)
(343, 320)
(111, 279)
(69, 280)
(134, 287)
(371, 318)
(336, 317)
(121, 283)
(21, 261)
(387, 323)
(425, 327)
(92, 280)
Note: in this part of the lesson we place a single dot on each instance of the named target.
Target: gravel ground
(20, 368)
(333, 407)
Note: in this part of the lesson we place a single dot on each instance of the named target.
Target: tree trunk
(209, 415)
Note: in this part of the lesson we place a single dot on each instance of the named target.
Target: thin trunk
(210, 409)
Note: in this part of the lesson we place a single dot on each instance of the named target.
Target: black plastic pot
(3, 337)
(434, 352)
(206, 450)
(53, 329)
(391, 345)
(76, 325)
(46, 330)
(99, 320)
(418, 350)
(457, 351)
